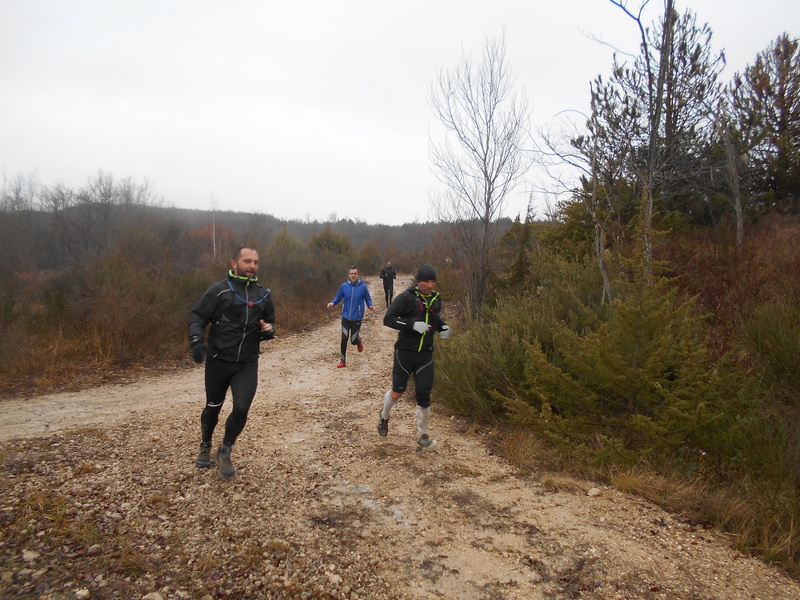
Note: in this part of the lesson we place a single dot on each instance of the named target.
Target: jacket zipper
(246, 319)
(427, 308)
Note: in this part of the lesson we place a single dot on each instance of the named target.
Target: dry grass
(523, 449)
(694, 498)
(554, 482)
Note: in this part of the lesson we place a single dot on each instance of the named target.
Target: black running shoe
(426, 443)
(223, 460)
(203, 457)
(383, 426)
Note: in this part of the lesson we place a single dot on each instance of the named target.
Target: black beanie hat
(426, 273)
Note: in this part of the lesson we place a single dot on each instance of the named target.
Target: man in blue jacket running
(353, 294)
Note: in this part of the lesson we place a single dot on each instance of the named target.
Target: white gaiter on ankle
(388, 403)
(423, 416)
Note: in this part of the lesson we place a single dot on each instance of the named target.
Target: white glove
(421, 327)
(445, 332)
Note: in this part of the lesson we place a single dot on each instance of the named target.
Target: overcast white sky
(297, 109)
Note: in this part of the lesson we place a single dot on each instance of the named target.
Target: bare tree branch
(481, 158)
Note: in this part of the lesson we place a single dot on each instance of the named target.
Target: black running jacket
(233, 307)
(410, 306)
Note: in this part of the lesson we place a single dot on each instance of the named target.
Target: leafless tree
(58, 202)
(651, 81)
(481, 158)
(17, 219)
(732, 161)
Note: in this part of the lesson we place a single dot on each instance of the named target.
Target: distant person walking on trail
(417, 314)
(354, 295)
(241, 315)
(388, 274)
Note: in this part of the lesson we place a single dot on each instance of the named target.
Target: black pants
(420, 364)
(352, 330)
(242, 379)
(389, 292)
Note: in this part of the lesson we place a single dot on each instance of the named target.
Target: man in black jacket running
(417, 314)
(241, 315)
(388, 274)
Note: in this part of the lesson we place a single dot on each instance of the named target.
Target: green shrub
(638, 388)
(490, 356)
(773, 337)
(771, 445)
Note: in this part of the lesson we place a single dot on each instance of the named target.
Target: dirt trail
(339, 511)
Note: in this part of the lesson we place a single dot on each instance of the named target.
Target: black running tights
(242, 379)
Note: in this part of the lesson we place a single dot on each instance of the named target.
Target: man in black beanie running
(416, 314)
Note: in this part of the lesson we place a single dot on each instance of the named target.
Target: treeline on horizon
(646, 333)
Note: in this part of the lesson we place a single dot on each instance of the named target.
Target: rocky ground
(101, 499)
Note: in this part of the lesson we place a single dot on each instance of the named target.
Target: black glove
(198, 352)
